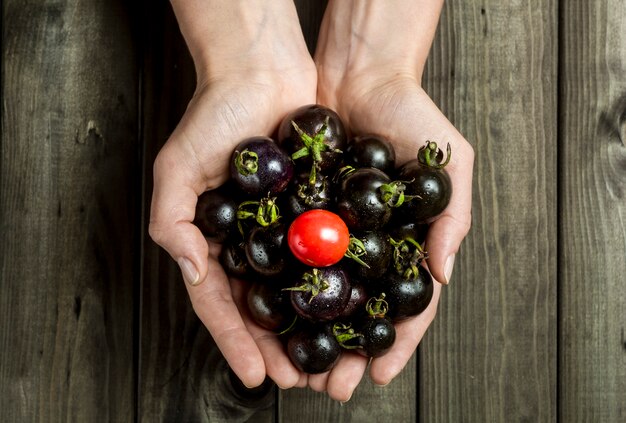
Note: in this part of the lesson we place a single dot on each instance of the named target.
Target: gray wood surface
(95, 323)
(592, 265)
(68, 212)
(490, 353)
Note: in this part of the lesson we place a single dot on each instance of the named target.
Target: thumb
(447, 231)
(442, 243)
(171, 215)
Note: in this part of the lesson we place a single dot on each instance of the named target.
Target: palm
(222, 115)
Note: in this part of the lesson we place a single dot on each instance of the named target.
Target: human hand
(253, 68)
(367, 74)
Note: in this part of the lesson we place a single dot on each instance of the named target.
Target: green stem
(392, 194)
(313, 145)
(431, 156)
(343, 173)
(265, 212)
(377, 307)
(344, 334)
(246, 162)
(407, 256)
(313, 283)
(356, 249)
(290, 327)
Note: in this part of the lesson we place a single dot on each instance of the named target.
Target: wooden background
(95, 324)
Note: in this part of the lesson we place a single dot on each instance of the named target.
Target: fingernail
(447, 268)
(346, 401)
(190, 274)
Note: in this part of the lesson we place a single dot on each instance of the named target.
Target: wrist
(360, 37)
(252, 37)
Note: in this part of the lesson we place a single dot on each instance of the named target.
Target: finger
(346, 376)
(447, 232)
(319, 381)
(409, 333)
(277, 365)
(213, 303)
(172, 211)
(303, 382)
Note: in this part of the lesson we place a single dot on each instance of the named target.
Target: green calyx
(377, 307)
(356, 250)
(392, 194)
(347, 337)
(264, 212)
(313, 145)
(313, 283)
(310, 192)
(246, 162)
(432, 156)
(407, 256)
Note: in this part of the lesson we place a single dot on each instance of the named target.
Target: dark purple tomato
(321, 294)
(374, 250)
(313, 133)
(266, 249)
(259, 167)
(234, 261)
(313, 349)
(409, 230)
(365, 199)
(406, 294)
(355, 308)
(428, 181)
(270, 306)
(378, 336)
(216, 214)
(303, 196)
(371, 151)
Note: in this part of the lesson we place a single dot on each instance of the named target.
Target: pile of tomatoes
(329, 233)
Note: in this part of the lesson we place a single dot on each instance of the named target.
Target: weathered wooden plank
(592, 340)
(183, 376)
(395, 402)
(490, 353)
(68, 211)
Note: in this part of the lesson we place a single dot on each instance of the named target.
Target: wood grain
(490, 354)
(95, 322)
(592, 340)
(395, 402)
(182, 375)
(68, 211)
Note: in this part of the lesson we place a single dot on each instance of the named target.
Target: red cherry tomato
(318, 238)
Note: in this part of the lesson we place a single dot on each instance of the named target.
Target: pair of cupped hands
(245, 89)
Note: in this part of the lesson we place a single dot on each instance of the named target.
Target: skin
(253, 68)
